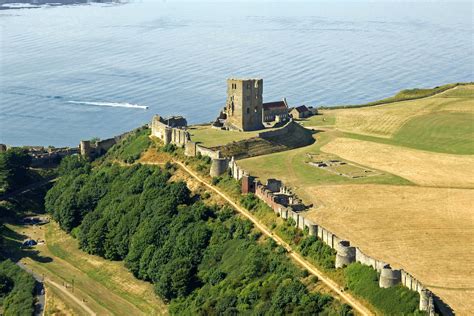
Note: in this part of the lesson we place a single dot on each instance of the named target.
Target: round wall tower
(218, 166)
(85, 148)
(389, 277)
(345, 253)
(424, 299)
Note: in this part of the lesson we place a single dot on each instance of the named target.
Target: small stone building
(300, 112)
(275, 111)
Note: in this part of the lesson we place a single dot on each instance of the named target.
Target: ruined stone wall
(103, 146)
(90, 150)
(237, 172)
(278, 132)
(167, 134)
(204, 151)
(52, 157)
(218, 166)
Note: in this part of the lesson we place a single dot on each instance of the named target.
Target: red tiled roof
(274, 105)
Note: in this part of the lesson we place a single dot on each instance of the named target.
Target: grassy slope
(442, 123)
(106, 286)
(291, 167)
(439, 132)
(408, 94)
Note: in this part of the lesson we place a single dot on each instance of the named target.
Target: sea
(76, 72)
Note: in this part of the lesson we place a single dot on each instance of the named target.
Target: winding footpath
(71, 296)
(349, 299)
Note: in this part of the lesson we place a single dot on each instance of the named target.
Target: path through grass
(107, 287)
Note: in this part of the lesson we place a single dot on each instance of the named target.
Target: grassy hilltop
(442, 122)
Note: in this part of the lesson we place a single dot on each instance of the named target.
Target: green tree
(14, 164)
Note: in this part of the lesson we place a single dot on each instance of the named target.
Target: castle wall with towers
(244, 104)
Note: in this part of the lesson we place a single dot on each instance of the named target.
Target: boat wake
(112, 104)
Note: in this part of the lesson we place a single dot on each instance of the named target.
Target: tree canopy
(202, 259)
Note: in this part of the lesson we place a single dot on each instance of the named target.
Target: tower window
(248, 110)
(248, 98)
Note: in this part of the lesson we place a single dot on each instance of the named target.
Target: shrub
(169, 148)
(397, 300)
(18, 289)
(316, 249)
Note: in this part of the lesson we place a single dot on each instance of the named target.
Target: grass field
(449, 132)
(319, 120)
(441, 123)
(210, 137)
(107, 287)
(292, 167)
(409, 94)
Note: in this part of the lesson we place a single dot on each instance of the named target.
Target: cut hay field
(420, 167)
(427, 231)
(441, 123)
(106, 287)
(418, 214)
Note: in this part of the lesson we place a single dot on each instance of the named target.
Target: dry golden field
(427, 231)
(386, 119)
(420, 167)
(419, 213)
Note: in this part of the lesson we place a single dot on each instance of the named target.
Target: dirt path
(298, 258)
(71, 296)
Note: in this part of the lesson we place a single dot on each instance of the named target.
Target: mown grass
(439, 132)
(398, 300)
(292, 168)
(443, 123)
(210, 137)
(326, 119)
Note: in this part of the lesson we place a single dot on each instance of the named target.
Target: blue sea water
(75, 72)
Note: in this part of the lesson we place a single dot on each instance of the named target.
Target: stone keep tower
(244, 104)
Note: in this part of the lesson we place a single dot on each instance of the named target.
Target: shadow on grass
(12, 247)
